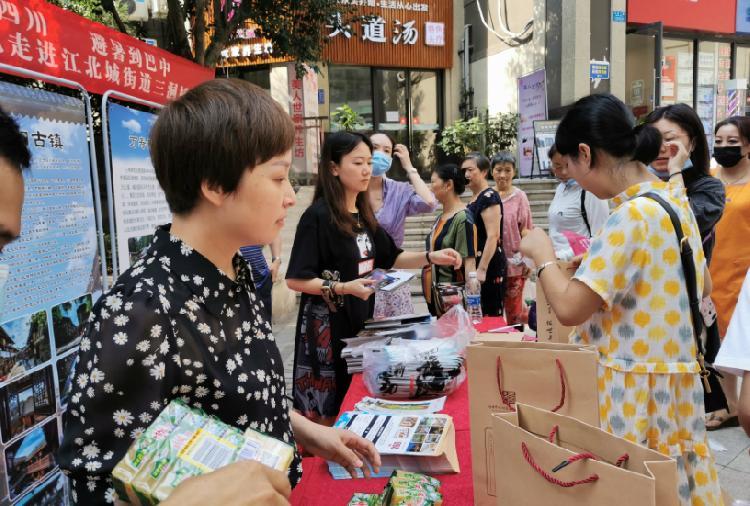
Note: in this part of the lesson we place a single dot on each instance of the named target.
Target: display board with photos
(139, 202)
(544, 138)
(55, 278)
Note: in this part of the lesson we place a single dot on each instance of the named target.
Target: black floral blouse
(174, 326)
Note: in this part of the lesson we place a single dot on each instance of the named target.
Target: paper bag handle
(552, 438)
(506, 402)
(555, 481)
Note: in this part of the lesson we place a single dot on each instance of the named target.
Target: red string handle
(506, 402)
(552, 479)
(553, 434)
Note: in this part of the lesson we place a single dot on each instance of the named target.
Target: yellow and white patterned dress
(649, 388)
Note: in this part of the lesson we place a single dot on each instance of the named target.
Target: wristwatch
(544, 266)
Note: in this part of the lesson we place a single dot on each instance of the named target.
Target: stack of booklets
(418, 443)
(183, 442)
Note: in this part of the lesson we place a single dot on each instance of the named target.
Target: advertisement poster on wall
(55, 278)
(532, 106)
(544, 138)
(139, 201)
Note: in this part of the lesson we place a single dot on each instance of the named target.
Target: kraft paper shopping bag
(547, 375)
(548, 327)
(545, 458)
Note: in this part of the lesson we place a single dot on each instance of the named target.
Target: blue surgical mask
(4, 275)
(664, 176)
(380, 163)
(570, 183)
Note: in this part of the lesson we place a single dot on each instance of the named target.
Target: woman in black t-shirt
(487, 208)
(337, 245)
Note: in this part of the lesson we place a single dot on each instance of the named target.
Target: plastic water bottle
(474, 298)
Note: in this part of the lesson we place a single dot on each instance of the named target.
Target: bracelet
(678, 173)
(544, 266)
(427, 256)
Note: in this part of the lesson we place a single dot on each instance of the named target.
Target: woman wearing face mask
(731, 258)
(487, 209)
(625, 295)
(337, 245)
(454, 228)
(572, 209)
(516, 218)
(392, 201)
(680, 123)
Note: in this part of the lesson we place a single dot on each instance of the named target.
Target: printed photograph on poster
(29, 459)
(66, 368)
(137, 247)
(57, 256)
(69, 321)
(24, 344)
(26, 402)
(139, 202)
(50, 493)
(544, 138)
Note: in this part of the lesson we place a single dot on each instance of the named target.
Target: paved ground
(731, 446)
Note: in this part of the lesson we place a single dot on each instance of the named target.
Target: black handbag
(691, 280)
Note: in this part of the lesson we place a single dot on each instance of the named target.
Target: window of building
(714, 64)
(677, 72)
(351, 86)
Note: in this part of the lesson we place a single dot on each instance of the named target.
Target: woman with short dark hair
(337, 245)
(629, 296)
(185, 321)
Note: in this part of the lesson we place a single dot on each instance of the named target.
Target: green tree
(483, 133)
(106, 12)
(346, 118)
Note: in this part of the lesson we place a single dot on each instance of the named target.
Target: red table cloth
(319, 488)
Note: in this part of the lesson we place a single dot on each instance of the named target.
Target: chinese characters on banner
(37, 36)
(532, 106)
(303, 103)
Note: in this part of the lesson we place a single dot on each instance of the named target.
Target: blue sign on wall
(599, 70)
(618, 16)
(743, 16)
(321, 96)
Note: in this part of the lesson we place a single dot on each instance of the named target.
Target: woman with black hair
(337, 245)
(629, 297)
(487, 209)
(454, 228)
(680, 123)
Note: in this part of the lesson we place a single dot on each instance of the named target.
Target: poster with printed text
(55, 277)
(532, 106)
(139, 202)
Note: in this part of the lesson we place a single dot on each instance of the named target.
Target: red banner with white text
(41, 37)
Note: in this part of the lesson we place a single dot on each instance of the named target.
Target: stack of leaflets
(386, 407)
(390, 280)
(419, 443)
(183, 442)
(392, 322)
(414, 369)
(355, 346)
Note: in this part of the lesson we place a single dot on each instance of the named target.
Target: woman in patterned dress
(185, 321)
(628, 297)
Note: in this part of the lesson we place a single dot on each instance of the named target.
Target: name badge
(366, 266)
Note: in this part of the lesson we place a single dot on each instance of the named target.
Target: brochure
(383, 406)
(388, 281)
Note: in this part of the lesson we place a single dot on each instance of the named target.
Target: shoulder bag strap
(688, 267)
(584, 213)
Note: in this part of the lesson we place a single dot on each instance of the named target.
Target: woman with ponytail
(629, 297)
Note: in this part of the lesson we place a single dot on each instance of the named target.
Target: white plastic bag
(418, 369)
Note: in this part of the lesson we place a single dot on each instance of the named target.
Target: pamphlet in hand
(418, 443)
(388, 281)
(382, 406)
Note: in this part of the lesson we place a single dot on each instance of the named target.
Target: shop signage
(41, 37)
(712, 16)
(391, 33)
(743, 16)
(618, 16)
